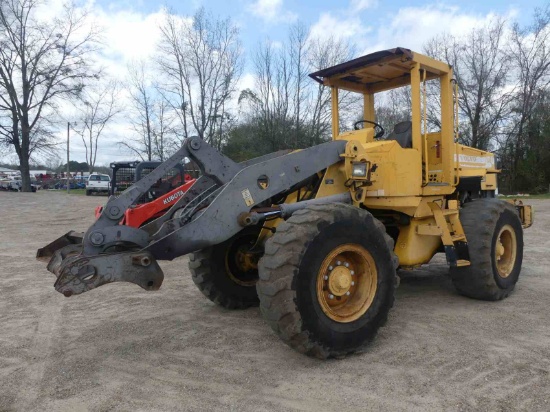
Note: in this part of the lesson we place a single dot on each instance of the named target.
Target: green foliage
(74, 166)
(256, 138)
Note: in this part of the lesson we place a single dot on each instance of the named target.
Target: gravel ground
(121, 348)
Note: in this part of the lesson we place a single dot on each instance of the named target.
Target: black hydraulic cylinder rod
(286, 210)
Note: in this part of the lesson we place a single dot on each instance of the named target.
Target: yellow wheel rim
(347, 283)
(241, 265)
(506, 251)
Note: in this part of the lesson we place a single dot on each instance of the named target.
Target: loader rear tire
(327, 280)
(221, 277)
(495, 243)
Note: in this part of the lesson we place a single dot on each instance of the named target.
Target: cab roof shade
(374, 69)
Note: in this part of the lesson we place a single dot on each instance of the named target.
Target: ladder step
(456, 238)
(462, 262)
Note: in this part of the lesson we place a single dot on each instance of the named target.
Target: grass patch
(77, 191)
(541, 196)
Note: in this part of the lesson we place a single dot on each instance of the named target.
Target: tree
(285, 109)
(481, 70)
(97, 107)
(151, 117)
(325, 53)
(201, 63)
(40, 63)
(394, 108)
(529, 57)
(74, 166)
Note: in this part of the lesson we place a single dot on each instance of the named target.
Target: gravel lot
(121, 348)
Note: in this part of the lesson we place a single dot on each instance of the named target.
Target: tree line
(191, 86)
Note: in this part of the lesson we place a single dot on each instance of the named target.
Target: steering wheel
(378, 134)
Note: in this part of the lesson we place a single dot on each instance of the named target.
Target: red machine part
(141, 214)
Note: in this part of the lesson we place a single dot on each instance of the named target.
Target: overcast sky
(131, 30)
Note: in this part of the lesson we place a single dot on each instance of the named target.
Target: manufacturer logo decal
(173, 197)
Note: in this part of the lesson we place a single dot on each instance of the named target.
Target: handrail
(425, 124)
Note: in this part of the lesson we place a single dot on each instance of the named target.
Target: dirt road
(121, 348)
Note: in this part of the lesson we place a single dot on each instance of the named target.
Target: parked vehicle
(161, 196)
(14, 185)
(98, 183)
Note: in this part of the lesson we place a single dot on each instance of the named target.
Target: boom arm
(206, 215)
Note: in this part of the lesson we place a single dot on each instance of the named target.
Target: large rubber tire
(289, 272)
(483, 220)
(210, 272)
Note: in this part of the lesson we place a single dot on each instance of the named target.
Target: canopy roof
(382, 70)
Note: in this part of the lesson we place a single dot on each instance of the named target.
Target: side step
(452, 234)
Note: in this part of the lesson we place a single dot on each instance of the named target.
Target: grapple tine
(60, 255)
(46, 253)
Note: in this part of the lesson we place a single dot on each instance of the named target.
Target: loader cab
(430, 152)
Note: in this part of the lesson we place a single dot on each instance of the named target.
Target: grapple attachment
(78, 274)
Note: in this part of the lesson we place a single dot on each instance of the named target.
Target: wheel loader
(315, 236)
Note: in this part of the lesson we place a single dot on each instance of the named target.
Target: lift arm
(206, 215)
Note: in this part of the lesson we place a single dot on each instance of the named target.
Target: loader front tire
(327, 280)
(224, 274)
(495, 243)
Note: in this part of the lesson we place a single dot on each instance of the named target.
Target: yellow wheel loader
(315, 236)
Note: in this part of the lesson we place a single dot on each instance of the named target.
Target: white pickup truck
(98, 183)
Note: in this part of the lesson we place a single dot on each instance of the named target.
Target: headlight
(359, 169)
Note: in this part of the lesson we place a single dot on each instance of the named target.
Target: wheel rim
(505, 251)
(347, 283)
(241, 263)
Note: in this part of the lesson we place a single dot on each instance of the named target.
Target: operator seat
(402, 134)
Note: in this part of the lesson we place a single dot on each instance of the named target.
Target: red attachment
(98, 211)
(141, 214)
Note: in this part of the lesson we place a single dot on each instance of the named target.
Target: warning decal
(247, 197)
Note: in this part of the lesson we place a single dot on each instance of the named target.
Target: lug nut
(346, 264)
(352, 283)
(338, 263)
(331, 296)
(326, 277)
(352, 272)
(330, 268)
(348, 293)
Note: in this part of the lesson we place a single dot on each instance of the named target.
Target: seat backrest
(402, 134)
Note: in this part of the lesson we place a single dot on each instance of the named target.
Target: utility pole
(68, 168)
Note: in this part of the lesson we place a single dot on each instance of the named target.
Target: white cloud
(332, 25)
(272, 11)
(412, 27)
(359, 5)
(345, 23)
(247, 81)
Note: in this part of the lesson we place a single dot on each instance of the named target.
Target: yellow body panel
(397, 172)
(414, 249)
